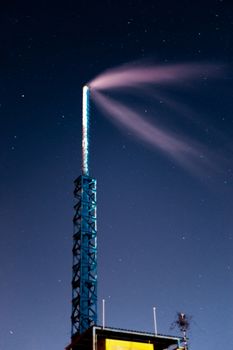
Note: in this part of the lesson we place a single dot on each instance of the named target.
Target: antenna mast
(84, 276)
(85, 130)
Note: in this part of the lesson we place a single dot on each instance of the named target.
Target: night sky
(165, 235)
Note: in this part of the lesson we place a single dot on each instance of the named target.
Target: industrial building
(99, 338)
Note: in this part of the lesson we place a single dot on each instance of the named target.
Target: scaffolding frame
(84, 276)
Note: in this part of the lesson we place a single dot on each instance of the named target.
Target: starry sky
(165, 236)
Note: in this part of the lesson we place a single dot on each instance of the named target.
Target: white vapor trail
(188, 153)
(132, 76)
(184, 152)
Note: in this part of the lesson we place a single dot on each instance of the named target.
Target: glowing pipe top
(85, 130)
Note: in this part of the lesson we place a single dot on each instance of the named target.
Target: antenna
(103, 305)
(183, 323)
(85, 130)
(155, 321)
(84, 271)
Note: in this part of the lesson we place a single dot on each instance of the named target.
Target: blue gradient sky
(165, 237)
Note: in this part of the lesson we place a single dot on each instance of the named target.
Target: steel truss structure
(84, 279)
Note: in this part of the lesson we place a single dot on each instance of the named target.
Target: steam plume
(139, 75)
(190, 154)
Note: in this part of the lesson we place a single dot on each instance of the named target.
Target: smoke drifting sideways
(190, 154)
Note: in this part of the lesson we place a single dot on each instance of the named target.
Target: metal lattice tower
(84, 278)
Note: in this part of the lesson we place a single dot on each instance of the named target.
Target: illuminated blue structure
(84, 277)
